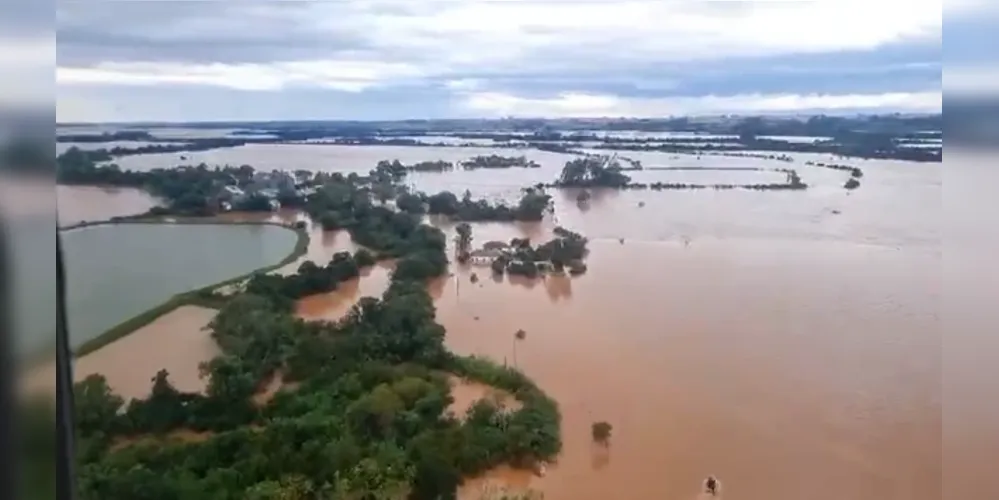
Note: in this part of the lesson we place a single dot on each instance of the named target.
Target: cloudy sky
(177, 60)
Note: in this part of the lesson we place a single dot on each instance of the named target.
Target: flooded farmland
(117, 271)
(787, 342)
(78, 204)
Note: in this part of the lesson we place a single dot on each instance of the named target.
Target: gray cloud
(90, 32)
(370, 52)
(19, 18)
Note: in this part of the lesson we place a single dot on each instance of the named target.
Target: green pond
(115, 272)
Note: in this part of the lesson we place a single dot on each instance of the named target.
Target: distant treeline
(121, 135)
(188, 145)
(896, 125)
(867, 146)
(879, 137)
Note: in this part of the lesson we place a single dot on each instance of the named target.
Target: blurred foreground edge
(65, 473)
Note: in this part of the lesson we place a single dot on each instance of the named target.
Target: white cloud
(590, 105)
(351, 76)
(465, 84)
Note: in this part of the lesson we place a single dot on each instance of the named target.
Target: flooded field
(734, 357)
(176, 342)
(116, 272)
(791, 347)
(91, 203)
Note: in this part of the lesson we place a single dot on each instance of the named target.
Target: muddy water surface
(117, 271)
(754, 360)
(791, 346)
(177, 342)
(746, 375)
(90, 203)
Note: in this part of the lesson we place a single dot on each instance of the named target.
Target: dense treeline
(534, 203)
(496, 161)
(120, 135)
(490, 161)
(592, 171)
(368, 415)
(188, 145)
(384, 184)
(816, 126)
(396, 169)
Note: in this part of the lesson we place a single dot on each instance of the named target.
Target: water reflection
(559, 287)
(599, 456)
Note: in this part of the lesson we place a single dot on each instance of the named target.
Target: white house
(232, 194)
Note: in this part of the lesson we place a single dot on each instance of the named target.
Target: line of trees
(187, 145)
(120, 135)
(497, 161)
(534, 203)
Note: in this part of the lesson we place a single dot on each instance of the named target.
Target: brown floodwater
(92, 203)
(177, 342)
(467, 392)
(740, 359)
(788, 343)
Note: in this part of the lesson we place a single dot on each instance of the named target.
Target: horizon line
(910, 114)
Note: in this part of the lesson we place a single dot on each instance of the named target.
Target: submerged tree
(601, 432)
(593, 171)
(464, 241)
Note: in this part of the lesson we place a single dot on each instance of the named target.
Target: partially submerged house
(229, 195)
(278, 181)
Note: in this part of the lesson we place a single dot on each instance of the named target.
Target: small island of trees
(532, 206)
(565, 252)
(496, 161)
